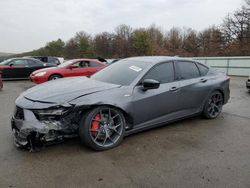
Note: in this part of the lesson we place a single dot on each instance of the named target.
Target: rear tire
(54, 77)
(213, 105)
(102, 128)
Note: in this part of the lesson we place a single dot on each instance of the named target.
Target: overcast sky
(30, 24)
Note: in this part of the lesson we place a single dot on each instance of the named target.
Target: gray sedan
(129, 96)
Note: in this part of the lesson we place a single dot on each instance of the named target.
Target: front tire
(54, 77)
(102, 128)
(213, 105)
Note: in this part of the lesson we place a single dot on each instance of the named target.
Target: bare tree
(236, 29)
(211, 42)
(122, 40)
(190, 42)
(156, 40)
(174, 41)
(103, 45)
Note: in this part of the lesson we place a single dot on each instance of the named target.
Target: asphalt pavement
(191, 153)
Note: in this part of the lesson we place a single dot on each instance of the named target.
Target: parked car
(131, 95)
(20, 68)
(48, 59)
(76, 67)
(1, 82)
(248, 84)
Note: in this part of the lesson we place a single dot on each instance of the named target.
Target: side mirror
(11, 64)
(150, 84)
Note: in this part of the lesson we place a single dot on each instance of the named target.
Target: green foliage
(141, 42)
(55, 48)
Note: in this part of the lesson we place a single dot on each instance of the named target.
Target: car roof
(155, 59)
(85, 59)
(27, 58)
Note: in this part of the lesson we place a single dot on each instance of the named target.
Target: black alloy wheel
(213, 105)
(102, 128)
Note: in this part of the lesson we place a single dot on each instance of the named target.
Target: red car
(75, 67)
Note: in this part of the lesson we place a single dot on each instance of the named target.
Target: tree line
(231, 38)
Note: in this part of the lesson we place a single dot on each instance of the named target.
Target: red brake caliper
(95, 124)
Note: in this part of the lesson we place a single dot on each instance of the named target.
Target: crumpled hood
(65, 89)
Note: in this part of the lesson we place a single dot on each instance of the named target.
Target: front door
(155, 103)
(79, 68)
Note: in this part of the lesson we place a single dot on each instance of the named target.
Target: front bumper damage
(32, 132)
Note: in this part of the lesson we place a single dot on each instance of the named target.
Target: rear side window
(34, 63)
(203, 69)
(20, 63)
(53, 60)
(163, 73)
(43, 59)
(186, 70)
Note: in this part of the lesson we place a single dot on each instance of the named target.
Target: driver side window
(19, 63)
(163, 73)
(81, 64)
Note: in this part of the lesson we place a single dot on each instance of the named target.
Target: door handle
(174, 88)
(203, 80)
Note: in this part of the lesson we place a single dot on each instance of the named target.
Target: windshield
(123, 72)
(65, 63)
(5, 62)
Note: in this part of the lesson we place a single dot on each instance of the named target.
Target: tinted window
(6, 62)
(186, 70)
(163, 73)
(123, 72)
(53, 60)
(94, 64)
(34, 63)
(43, 59)
(203, 69)
(19, 63)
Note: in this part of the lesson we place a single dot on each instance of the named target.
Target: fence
(234, 66)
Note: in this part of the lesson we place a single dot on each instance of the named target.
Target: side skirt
(162, 121)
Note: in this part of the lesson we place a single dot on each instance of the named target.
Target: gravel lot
(189, 153)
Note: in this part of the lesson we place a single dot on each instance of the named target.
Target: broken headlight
(50, 114)
(51, 111)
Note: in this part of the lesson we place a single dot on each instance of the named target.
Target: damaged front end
(34, 128)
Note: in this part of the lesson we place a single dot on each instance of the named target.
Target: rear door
(193, 87)
(155, 103)
(34, 65)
